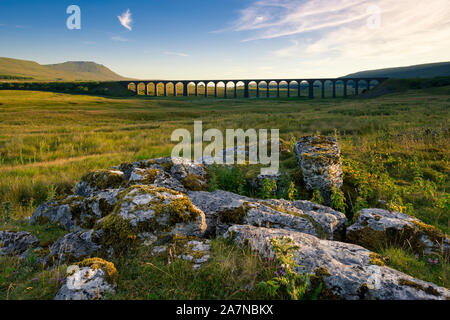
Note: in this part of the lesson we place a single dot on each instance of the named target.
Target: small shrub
(286, 279)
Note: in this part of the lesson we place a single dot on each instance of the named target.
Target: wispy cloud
(119, 38)
(179, 54)
(341, 30)
(125, 19)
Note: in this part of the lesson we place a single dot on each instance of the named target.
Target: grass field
(395, 148)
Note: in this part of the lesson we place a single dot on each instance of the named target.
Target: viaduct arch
(323, 87)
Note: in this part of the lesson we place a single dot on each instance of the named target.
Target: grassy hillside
(68, 71)
(428, 70)
(402, 85)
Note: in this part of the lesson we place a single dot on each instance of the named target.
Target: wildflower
(276, 274)
(436, 261)
(35, 279)
(430, 260)
(417, 256)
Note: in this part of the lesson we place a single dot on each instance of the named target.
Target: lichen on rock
(319, 158)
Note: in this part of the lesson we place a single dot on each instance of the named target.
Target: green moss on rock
(377, 259)
(234, 216)
(117, 233)
(194, 183)
(317, 281)
(105, 179)
(112, 276)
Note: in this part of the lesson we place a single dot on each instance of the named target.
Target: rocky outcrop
(375, 228)
(346, 271)
(98, 192)
(319, 158)
(64, 213)
(223, 209)
(16, 243)
(176, 173)
(75, 212)
(162, 203)
(91, 279)
(145, 215)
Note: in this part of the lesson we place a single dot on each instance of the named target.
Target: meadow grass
(395, 148)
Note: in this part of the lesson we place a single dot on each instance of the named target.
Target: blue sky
(187, 39)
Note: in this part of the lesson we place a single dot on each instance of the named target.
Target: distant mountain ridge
(67, 71)
(429, 70)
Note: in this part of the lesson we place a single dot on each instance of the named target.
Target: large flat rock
(347, 271)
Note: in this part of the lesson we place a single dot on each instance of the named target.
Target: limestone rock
(100, 180)
(174, 173)
(155, 177)
(223, 209)
(97, 207)
(319, 158)
(75, 212)
(328, 223)
(375, 228)
(145, 214)
(347, 271)
(63, 213)
(92, 279)
(213, 204)
(72, 247)
(16, 243)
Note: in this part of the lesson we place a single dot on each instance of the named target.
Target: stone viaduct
(263, 87)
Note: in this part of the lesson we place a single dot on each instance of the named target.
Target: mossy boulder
(221, 208)
(146, 214)
(65, 212)
(96, 181)
(90, 279)
(174, 173)
(75, 212)
(344, 270)
(319, 157)
(378, 228)
(72, 247)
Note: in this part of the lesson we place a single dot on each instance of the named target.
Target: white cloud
(119, 38)
(341, 33)
(125, 19)
(179, 54)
